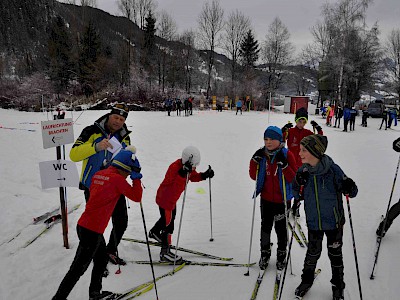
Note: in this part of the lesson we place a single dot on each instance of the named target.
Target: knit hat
(301, 113)
(273, 132)
(316, 144)
(120, 109)
(126, 160)
(191, 153)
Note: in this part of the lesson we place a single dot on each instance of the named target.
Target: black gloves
(287, 127)
(315, 125)
(281, 159)
(186, 168)
(258, 155)
(348, 185)
(207, 174)
(302, 177)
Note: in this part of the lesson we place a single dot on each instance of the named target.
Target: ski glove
(348, 185)
(258, 155)
(186, 168)
(281, 159)
(302, 177)
(135, 174)
(315, 125)
(287, 127)
(207, 174)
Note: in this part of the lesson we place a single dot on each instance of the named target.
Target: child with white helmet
(178, 174)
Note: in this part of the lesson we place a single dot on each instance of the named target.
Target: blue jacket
(322, 193)
(261, 178)
(346, 114)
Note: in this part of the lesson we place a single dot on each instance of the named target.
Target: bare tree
(277, 53)
(143, 8)
(166, 29)
(343, 21)
(211, 22)
(236, 27)
(392, 49)
(128, 10)
(189, 56)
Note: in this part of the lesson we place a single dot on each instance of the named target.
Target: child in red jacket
(273, 167)
(168, 193)
(106, 188)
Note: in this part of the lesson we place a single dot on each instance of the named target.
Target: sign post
(56, 133)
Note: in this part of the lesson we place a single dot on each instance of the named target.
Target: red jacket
(105, 190)
(293, 139)
(271, 190)
(173, 185)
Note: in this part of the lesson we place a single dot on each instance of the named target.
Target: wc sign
(58, 173)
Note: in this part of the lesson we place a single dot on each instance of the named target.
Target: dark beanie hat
(273, 132)
(301, 113)
(315, 144)
(120, 109)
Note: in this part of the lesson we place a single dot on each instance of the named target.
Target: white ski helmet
(191, 153)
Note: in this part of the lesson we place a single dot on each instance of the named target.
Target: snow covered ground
(226, 142)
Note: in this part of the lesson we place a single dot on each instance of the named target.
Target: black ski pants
(165, 226)
(119, 220)
(273, 212)
(91, 247)
(334, 244)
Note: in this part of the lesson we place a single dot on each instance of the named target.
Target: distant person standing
(239, 105)
(338, 115)
(178, 104)
(385, 114)
(353, 115)
(364, 117)
(346, 117)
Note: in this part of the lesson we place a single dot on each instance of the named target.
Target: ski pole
(288, 255)
(379, 240)
(148, 249)
(180, 221)
(286, 217)
(354, 245)
(252, 221)
(209, 188)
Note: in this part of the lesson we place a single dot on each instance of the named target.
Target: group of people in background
(330, 112)
(177, 105)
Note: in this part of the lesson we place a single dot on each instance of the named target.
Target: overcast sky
(298, 15)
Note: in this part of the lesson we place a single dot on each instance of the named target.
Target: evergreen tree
(89, 55)
(149, 44)
(60, 55)
(249, 50)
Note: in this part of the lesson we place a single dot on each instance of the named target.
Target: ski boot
(168, 256)
(302, 289)
(381, 233)
(99, 295)
(155, 235)
(337, 293)
(280, 259)
(264, 259)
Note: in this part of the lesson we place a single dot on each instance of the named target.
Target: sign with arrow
(57, 132)
(58, 173)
